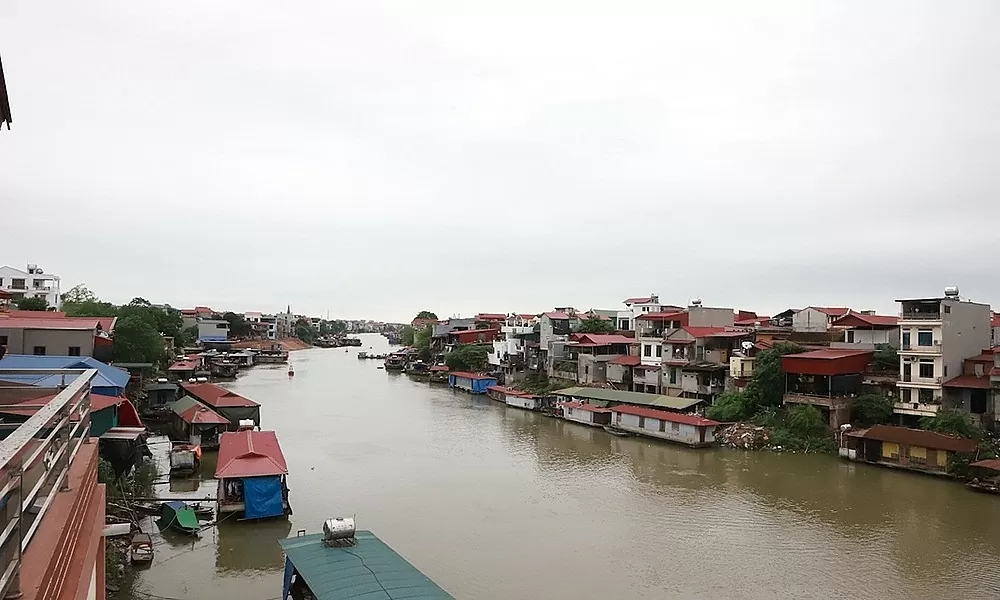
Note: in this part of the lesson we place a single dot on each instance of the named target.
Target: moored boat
(614, 431)
(141, 549)
(251, 474)
(185, 459)
(179, 516)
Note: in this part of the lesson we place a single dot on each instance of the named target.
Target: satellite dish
(746, 344)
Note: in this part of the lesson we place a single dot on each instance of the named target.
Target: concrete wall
(616, 373)
(810, 320)
(57, 342)
(967, 331)
(590, 370)
(704, 316)
(522, 402)
(213, 330)
(872, 336)
(675, 432)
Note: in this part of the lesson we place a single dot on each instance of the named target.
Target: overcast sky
(373, 159)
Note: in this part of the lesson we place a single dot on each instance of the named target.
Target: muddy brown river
(497, 503)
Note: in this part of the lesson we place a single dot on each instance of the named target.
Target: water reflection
(251, 546)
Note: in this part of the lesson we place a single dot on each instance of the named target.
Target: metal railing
(920, 316)
(35, 459)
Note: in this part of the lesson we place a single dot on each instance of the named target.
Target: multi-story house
(31, 283)
(866, 330)
(213, 330)
(817, 319)
(263, 326)
(972, 391)
(439, 336)
(508, 355)
(696, 359)
(936, 335)
(637, 307)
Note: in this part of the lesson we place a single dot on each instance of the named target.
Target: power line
(369, 570)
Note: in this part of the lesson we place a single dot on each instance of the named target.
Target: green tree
(136, 340)
(767, 386)
(806, 421)
(338, 327)
(426, 314)
(305, 331)
(422, 341)
(187, 337)
(467, 357)
(406, 335)
(31, 303)
(729, 407)
(238, 325)
(78, 294)
(951, 422)
(886, 358)
(871, 409)
(595, 324)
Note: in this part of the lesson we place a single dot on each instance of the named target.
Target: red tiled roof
(645, 300)
(560, 316)
(969, 382)
(250, 454)
(467, 375)
(37, 314)
(627, 360)
(996, 320)
(601, 339)
(202, 415)
(491, 317)
(705, 332)
(826, 362)
(664, 415)
(854, 319)
(528, 317)
(74, 324)
(215, 396)
(582, 406)
(919, 437)
(752, 322)
(106, 323)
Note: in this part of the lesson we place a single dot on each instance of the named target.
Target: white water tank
(341, 528)
(951, 291)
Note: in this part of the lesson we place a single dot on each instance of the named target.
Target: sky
(373, 159)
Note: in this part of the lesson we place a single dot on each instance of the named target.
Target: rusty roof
(919, 437)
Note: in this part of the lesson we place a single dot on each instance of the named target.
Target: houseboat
(985, 476)
(273, 356)
(185, 459)
(470, 382)
(395, 362)
(232, 406)
(159, 396)
(515, 398)
(223, 369)
(904, 448)
(696, 432)
(195, 423)
(439, 374)
(252, 475)
(179, 516)
(587, 414)
(419, 369)
(345, 563)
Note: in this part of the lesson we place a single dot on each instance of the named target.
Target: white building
(31, 283)
(212, 330)
(587, 414)
(868, 330)
(509, 346)
(817, 319)
(665, 425)
(936, 336)
(636, 307)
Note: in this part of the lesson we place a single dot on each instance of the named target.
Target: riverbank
(289, 344)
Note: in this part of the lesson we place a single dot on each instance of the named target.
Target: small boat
(362, 355)
(185, 459)
(614, 431)
(291, 371)
(141, 549)
(178, 515)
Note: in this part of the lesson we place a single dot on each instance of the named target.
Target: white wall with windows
(31, 283)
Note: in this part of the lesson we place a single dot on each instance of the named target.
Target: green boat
(178, 515)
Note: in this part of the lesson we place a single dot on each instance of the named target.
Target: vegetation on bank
(118, 490)
(595, 324)
(468, 357)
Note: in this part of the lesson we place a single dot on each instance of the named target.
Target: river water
(498, 503)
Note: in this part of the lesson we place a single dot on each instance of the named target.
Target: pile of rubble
(745, 436)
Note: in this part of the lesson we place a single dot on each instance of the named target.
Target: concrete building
(285, 324)
(936, 336)
(31, 283)
(828, 379)
(212, 330)
(636, 307)
(867, 330)
(817, 319)
(49, 336)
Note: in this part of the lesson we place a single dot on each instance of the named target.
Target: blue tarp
(263, 497)
(110, 381)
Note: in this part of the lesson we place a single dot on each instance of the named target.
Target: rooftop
(625, 397)
(49, 323)
(107, 376)
(665, 415)
(627, 360)
(215, 396)
(467, 375)
(917, 437)
(855, 319)
(969, 382)
(367, 570)
(828, 361)
(250, 454)
(583, 406)
(194, 412)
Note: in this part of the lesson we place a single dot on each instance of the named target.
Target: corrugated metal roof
(624, 397)
(107, 376)
(368, 570)
(250, 454)
(665, 415)
(194, 412)
(920, 437)
(215, 396)
(467, 375)
(992, 463)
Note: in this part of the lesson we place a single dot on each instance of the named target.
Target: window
(927, 370)
(222, 325)
(850, 336)
(947, 309)
(925, 396)
(904, 395)
(3, 340)
(17, 284)
(906, 338)
(659, 351)
(74, 351)
(642, 421)
(675, 427)
(39, 351)
(925, 337)
(946, 370)
(663, 426)
(647, 350)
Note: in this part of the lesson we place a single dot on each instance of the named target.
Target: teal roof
(368, 570)
(624, 397)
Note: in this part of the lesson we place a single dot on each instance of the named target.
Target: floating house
(196, 424)
(185, 368)
(515, 398)
(696, 432)
(471, 382)
(905, 448)
(159, 395)
(587, 414)
(251, 470)
(344, 564)
(227, 403)
(439, 374)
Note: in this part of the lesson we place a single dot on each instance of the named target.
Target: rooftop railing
(35, 457)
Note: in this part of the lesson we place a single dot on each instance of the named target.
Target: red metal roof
(491, 317)
(859, 320)
(202, 415)
(827, 362)
(835, 311)
(665, 316)
(467, 375)
(602, 339)
(582, 406)
(969, 382)
(645, 300)
(215, 396)
(705, 332)
(188, 364)
(250, 454)
(559, 316)
(37, 314)
(512, 391)
(919, 437)
(439, 368)
(627, 360)
(990, 463)
(664, 415)
(750, 322)
(996, 320)
(75, 324)
(528, 317)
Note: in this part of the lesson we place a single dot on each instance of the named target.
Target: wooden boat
(395, 363)
(141, 549)
(223, 369)
(617, 432)
(179, 516)
(185, 459)
(983, 486)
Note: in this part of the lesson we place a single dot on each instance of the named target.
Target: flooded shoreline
(494, 502)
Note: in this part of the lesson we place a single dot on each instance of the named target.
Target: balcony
(934, 348)
(18, 285)
(920, 316)
(916, 409)
(830, 402)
